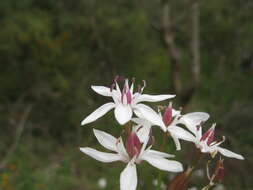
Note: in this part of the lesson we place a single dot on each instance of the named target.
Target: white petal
(122, 150)
(106, 140)
(162, 163)
(191, 120)
(150, 115)
(141, 121)
(132, 88)
(123, 114)
(128, 177)
(181, 133)
(142, 131)
(229, 153)
(118, 91)
(152, 98)
(102, 90)
(101, 156)
(159, 154)
(175, 112)
(176, 141)
(99, 112)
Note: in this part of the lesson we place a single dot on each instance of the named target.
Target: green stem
(160, 175)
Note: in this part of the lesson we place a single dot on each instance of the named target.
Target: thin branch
(194, 52)
(171, 46)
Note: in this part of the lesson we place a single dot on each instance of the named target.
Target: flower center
(133, 145)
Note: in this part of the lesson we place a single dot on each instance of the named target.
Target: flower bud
(133, 145)
(219, 171)
(180, 182)
(167, 116)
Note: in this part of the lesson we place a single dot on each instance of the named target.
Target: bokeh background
(52, 51)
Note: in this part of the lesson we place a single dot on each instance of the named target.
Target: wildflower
(169, 122)
(206, 142)
(134, 153)
(125, 102)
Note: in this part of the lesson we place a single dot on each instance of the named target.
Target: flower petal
(141, 121)
(162, 163)
(176, 141)
(101, 156)
(181, 133)
(102, 90)
(229, 153)
(142, 131)
(150, 115)
(175, 112)
(123, 114)
(152, 98)
(122, 150)
(106, 140)
(159, 154)
(128, 177)
(192, 120)
(99, 112)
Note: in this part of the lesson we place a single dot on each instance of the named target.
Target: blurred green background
(52, 51)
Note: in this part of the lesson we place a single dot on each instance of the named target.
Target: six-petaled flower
(134, 153)
(125, 102)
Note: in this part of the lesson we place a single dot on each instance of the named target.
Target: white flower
(168, 122)
(206, 142)
(125, 102)
(135, 152)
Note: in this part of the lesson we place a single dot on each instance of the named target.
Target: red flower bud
(180, 182)
(219, 171)
(133, 145)
(167, 116)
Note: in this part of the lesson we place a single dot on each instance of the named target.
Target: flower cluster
(138, 120)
